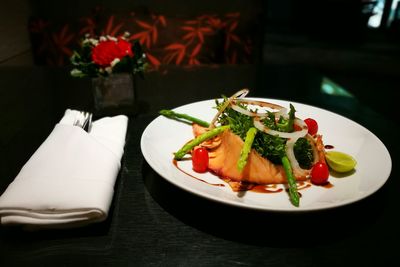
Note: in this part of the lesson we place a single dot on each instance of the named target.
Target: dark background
(331, 36)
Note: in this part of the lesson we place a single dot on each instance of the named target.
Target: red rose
(106, 51)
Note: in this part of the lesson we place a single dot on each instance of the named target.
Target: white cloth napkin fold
(69, 181)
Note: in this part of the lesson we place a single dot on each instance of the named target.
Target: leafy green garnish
(303, 153)
(286, 125)
(271, 147)
(239, 122)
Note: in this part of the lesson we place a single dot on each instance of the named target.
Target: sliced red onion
(313, 147)
(293, 135)
(257, 103)
(297, 170)
(239, 94)
(262, 104)
(247, 112)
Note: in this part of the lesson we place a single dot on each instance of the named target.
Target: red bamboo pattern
(204, 39)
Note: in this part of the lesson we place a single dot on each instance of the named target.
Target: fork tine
(87, 122)
(85, 119)
(90, 122)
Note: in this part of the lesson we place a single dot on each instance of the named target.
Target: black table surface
(154, 223)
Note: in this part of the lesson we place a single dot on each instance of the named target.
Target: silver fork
(84, 120)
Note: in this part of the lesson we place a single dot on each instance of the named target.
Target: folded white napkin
(69, 181)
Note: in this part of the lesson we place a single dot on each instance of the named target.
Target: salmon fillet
(225, 153)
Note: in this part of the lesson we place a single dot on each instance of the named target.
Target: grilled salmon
(224, 153)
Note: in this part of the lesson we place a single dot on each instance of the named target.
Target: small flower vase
(114, 94)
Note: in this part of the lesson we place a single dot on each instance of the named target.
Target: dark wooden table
(154, 223)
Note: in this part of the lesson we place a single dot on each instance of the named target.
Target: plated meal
(261, 153)
(259, 143)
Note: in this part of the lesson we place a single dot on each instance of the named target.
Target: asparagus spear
(291, 118)
(198, 140)
(293, 194)
(173, 115)
(248, 142)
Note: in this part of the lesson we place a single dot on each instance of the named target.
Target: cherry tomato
(312, 126)
(319, 173)
(200, 159)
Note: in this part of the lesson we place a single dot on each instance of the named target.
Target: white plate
(164, 136)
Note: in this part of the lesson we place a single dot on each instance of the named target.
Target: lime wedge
(339, 161)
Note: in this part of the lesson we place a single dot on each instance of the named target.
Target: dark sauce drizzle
(271, 188)
(327, 185)
(175, 162)
(266, 189)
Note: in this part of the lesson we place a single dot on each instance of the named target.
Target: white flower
(114, 62)
(111, 38)
(102, 39)
(94, 41)
(108, 70)
(126, 35)
(91, 41)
